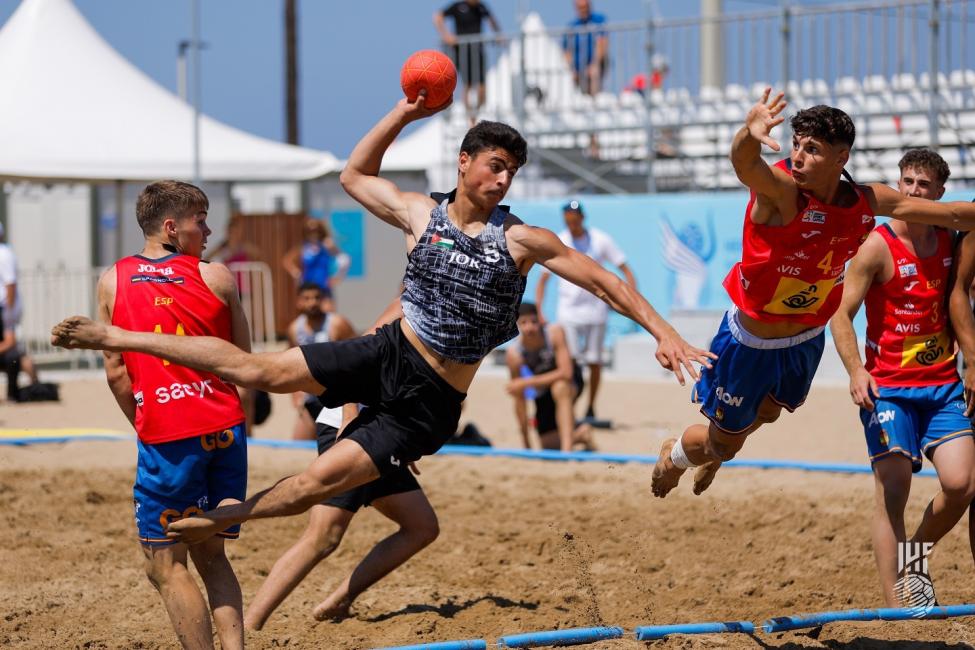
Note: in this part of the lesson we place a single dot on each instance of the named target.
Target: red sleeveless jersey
(169, 296)
(794, 273)
(908, 339)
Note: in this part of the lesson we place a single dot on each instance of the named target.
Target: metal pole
(181, 69)
(712, 52)
(197, 90)
(648, 101)
(119, 216)
(291, 69)
(786, 28)
(933, 76)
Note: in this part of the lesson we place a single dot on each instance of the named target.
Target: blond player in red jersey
(910, 396)
(190, 425)
(802, 224)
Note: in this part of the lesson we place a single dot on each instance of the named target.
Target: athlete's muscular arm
(514, 361)
(361, 180)
(866, 266)
(115, 372)
(529, 245)
(957, 215)
(540, 294)
(960, 312)
(776, 192)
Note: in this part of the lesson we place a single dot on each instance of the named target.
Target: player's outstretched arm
(864, 268)
(542, 246)
(275, 372)
(360, 178)
(886, 201)
(960, 312)
(746, 148)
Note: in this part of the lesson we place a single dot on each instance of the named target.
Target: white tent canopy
(73, 108)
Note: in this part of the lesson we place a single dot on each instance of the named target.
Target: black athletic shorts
(412, 410)
(545, 406)
(384, 486)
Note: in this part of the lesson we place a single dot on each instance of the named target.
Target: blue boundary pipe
(535, 454)
(785, 623)
(470, 644)
(652, 632)
(573, 636)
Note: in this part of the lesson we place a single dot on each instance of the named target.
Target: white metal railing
(256, 288)
(50, 295)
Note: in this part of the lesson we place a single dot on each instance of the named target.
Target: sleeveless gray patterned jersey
(306, 337)
(462, 293)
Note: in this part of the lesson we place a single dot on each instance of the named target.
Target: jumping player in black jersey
(467, 262)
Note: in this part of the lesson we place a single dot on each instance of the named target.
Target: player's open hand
(863, 388)
(968, 380)
(765, 116)
(193, 530)
(676, 354)
(417, 110)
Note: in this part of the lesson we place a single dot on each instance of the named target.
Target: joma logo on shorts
(727, 398)
(882, 417)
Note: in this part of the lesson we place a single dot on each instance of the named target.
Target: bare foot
(704, 475)
(584, 437)
(330, 610)
(196, 529)
(79, 332)
(665, 474)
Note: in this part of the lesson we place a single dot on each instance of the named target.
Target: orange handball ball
(431, 71)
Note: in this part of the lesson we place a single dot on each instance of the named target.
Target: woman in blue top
(312, 260)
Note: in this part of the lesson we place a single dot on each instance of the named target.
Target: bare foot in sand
(665, 474)
(79, 332)
(583, 435)
(704, 475)
(332, 609)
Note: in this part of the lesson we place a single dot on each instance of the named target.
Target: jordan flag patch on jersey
(442, 242)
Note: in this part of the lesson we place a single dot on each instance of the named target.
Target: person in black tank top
(542, 366)
(467, 263)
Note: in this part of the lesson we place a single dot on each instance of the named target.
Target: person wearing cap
(581, 314)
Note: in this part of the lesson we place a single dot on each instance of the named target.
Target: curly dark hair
(924, 159)
(495, 135)
(824, 123)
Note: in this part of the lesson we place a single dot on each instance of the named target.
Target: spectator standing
(581, 314)
(587, 48)
(468, 17)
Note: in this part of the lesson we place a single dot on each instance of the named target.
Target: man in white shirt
(581, 314)
(10, 312)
